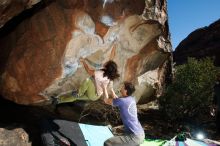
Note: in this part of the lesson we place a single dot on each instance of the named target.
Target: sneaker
(75, 93)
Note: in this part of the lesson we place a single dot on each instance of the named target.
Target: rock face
(11, 8)
(16, 137)
(201, 43)
(41, 54)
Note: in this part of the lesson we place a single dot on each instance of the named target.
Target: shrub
(191, 90)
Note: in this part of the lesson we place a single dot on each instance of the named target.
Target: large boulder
(40, 56)
(16, 136)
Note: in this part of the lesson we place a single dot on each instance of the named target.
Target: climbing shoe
(75, 93)
(55, 100)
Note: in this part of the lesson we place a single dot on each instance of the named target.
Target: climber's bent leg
(66, 98)
(87, 90)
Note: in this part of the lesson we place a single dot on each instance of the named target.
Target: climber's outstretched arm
(112, 55)
(88, 70)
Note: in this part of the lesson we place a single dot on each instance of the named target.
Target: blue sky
(187, 15)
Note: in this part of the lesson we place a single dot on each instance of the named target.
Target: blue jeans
(125, 140)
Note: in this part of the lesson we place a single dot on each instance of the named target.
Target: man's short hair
(129, 87)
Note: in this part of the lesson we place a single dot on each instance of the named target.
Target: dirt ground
(24, 120)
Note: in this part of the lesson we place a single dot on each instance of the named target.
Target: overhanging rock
(45, 49)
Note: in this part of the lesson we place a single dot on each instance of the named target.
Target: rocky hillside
(200, 43)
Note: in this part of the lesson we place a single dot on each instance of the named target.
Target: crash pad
(153, 142)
